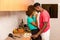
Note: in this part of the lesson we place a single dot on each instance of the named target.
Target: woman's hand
(35, 24)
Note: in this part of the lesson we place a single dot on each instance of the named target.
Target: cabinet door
(15, 5)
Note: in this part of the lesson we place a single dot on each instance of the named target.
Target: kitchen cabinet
(15, 5)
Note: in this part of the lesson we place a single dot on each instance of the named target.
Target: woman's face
(33, 13)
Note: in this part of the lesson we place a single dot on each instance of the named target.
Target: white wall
(47, 1)
(55, 27)
(22, 15)
(6, 25)
(55, 22)
(9, 22)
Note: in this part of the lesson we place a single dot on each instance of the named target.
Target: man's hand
(35, 36)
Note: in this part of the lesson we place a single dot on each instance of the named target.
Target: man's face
(37, 8)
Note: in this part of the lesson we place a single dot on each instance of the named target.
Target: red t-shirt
(44, 17)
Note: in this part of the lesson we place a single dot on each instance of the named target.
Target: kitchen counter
(25, 36)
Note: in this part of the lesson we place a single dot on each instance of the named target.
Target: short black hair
(36, 4)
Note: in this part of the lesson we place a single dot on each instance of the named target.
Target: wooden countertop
(25, 36)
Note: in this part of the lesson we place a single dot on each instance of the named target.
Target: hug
(38, 21)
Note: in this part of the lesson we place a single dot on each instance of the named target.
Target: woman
(32, 22)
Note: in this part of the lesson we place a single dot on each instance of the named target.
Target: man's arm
(44, 26)
(45, 21)
(45, 17)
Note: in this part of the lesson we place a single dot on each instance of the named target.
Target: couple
(44, 22)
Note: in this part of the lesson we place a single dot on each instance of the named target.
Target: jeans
(35, 31)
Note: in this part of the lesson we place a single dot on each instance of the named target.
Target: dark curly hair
(30, 10)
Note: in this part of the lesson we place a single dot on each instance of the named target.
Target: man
(44, 22)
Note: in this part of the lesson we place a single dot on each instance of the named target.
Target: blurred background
(13, 11)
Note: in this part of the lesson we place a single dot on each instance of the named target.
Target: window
(52, 9)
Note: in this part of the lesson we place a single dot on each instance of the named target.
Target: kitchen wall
(47, 1)
(9, 21)
(55, 27)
